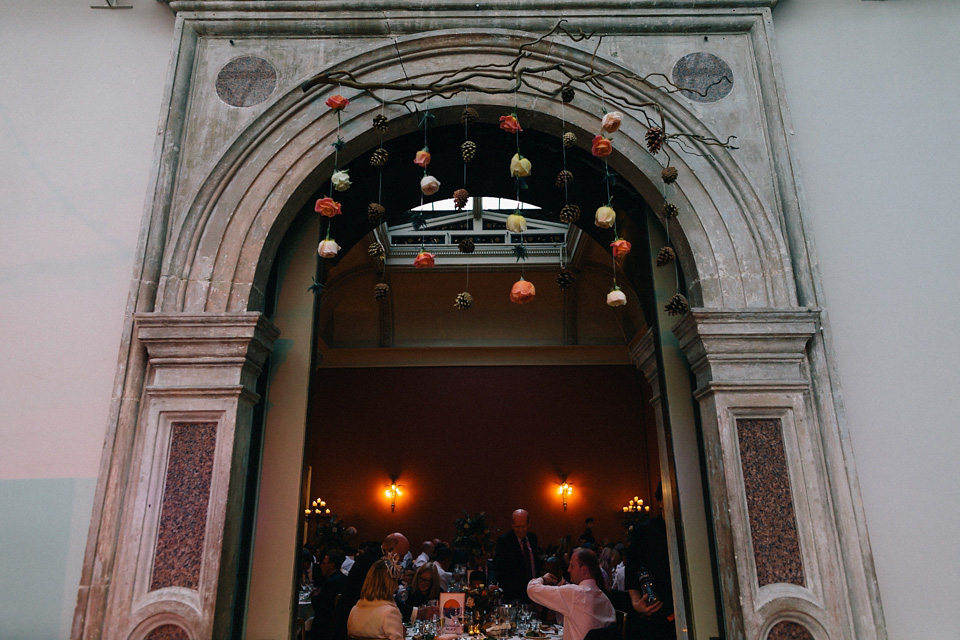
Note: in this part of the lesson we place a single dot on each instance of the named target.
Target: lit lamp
(565, 490)
(392, 492)
(636, 505)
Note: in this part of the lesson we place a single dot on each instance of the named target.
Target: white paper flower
(429, 185)
(340, 180)
(328, 248)
(611, 121)
(616, 298)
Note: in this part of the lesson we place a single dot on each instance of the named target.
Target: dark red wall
(482, 439)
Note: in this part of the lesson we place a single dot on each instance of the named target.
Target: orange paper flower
(510, 124)
(327, 207)
(620, 247)
(601, 147)
(337, 102)
(424, 260)
(423, 158)
(522, 291)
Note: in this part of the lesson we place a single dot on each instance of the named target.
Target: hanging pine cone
(466, 245)
(380, 123)
(670, 210)
(468, 150)
(654, 139)
(469, 115)
(381, 290)
(569, 139)
(569, 213)
(379, 157)
(375, 250)
(563, 179)
(665, 257)
(464, 301)
(567, 94)
(669, 175)
(565, 279)
(375, 212)
(460, 197)
(677, 305)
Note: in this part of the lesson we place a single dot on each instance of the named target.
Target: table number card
(451, 607)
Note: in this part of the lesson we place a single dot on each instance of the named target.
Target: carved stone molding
(177, 543)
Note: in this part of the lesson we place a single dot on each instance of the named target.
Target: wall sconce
(565, 490)
(392, 492)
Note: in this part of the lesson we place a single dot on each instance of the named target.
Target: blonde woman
(376, 614)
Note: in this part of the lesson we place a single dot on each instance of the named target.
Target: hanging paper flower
(424, 260)
(616, 298)
(605, 217)
(429, 185)
(620, 247)
(519, 166)
(516, 223)
(522, 291)
(328, 248)
(510, 124)
(327, 207)
(611, 121)
(340, 180)
(337, 102)
(601, 147)
(423, 158)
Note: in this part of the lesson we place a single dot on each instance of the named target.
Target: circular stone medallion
(246, 81)
(709, 77)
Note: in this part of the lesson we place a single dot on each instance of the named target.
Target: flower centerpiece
(483, 599)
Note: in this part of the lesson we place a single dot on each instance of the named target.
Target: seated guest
(583, 603)
(477, 579)
(426, 585)
(426, 553)
(376, 614)
(328, 583)
(443, 561)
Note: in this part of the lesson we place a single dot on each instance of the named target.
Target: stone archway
(790, 534)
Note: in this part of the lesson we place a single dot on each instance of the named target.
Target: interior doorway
(411, 389)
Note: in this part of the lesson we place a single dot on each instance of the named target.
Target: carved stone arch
(729, 244)
(193, 348)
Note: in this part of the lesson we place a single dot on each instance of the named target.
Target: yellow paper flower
(605, 217)
(519, 166)
(516, 223)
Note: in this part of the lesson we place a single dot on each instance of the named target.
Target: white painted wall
(80, 95)
(872, 88)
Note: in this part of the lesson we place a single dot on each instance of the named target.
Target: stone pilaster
(780, 567)
(178, 544)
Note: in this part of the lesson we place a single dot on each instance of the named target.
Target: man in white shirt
(583, 604)
(426, 551)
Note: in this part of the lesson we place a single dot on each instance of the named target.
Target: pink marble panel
(168, 632)
(183, 510)
(773, 522)
(787, 630)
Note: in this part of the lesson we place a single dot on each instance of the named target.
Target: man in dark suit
(517, 560)
(328, 583)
